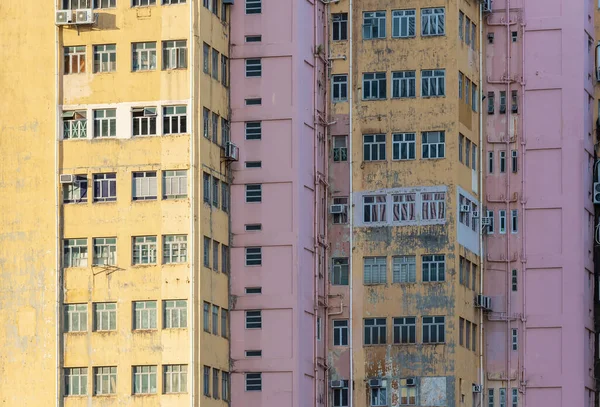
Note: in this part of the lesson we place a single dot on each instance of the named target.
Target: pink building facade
(279, 278)
(539, 87)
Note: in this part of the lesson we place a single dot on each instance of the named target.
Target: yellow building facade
(126, 131)
(412, 79)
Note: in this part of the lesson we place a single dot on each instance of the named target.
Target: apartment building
(405, 196)
(539, 166)
(115, 247)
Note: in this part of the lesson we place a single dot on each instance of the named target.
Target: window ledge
(77, 333)
(141, 266)
(374, 345)
(183, 263)
(433, 343)
(113, 332)
(144, 331)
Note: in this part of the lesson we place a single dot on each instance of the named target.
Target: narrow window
(206, 122)
(206, 187)
(339, 271)
(224, 70)
(467, 31)
(502, 221)
(515, 101)
(206, 58)
(502, 102)
(474, 97)
(515, 339)
(474, 156)
(253, 353)
(461, 78)
(461, 142)
(216, 248)
(461, 18)
(215, 63)
(467, 334)
(514, 160)
(491, 398)
(339, 85)
(515, 397)
(468, 153)
(490, 227)
(490, 162)
(491, 102)
(206, 381)
(340, 332)
(215, 320)
(225, 386)
(340, 148)
(206, 252)
(514, 221)
(224, 323)
(467, 90)
(253, 290)
(514, 280)
(339, 27)
(461, 331)
(474, 337)
(215, 191)
(215, 128)
(206, 317)
(502, 161)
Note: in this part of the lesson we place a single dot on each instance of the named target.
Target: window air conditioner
(84, 16)
(483, 301)
(596, 193)
(375, 383)
(411, 381)
(63, 17)
(336, 384)
(487, 6)
(486, 221)
(66, 178)
(465, 208)
(337, 209)
(477, 388)
(232, 151)
(475, 214)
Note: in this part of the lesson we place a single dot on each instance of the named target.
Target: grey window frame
(404, 269)
(215, 64)
(378, 396)
(374, 86)
(433, 145)
(77, 191)
(215, 128)
(105, 251)
(404, 330)
(215, 319)
(434, 329)
(433, 83)
(206, 381)
(375, 331)
(105, 316)
(404, 146)
(144, 250)
(374, 208)
(339, 88)
(145, 379)
(404, 23)
(340, 271)
(206, 188)
(216, 247)
(174, 184)
(144, 185)
(224, 70)
(75, 253)
(144, 121)
(206, 58)
(404, 84)
(339, 24)
(375, 270)
(206, 316)
(374, 24)
(143, 3)
(340, 148)
(340, 395)
(76, 381)
(341, 330)
(76, 316)
(206, 252)
(433, 268)
(105, 380)
(174, 119)
(174, 54)
(374, 147)
(175, 378)
(174, 249)
(100, 4)
(433, 21)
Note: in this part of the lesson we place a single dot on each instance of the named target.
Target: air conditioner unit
(483, 301)
(337, 209)
(232, 152)
(486, 221)
(477, 388)
(411, 382)
(64, 17)
(487, 6)
(336, 384)
(84, 16)
(475, 214)
(375, 383)
(66, 178)
(465, 208)
(596, 193)
(230, 2)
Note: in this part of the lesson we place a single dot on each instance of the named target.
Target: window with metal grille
(253, 319)
(339, 84)
(339, 271)
(105, 58)
(433, 21)
(405, 330)
(253, 193)
(145, 315)
(175, 314)
(74, 124)
(339, 31)
(375, 331)
(404, 23)
(404, 146)
(105, 123)
(253, 256)
(434, 329)
(75, 317)
(75, 253)
(434, 267)
(105, 251)
(76, 381)
(373, 25)
(433, 144)
(144, 56)
(74, 61)
(105, 316)
(374, 86)
(404, 269)
(144, 186)
(375, 270)
(175, 379)
(374, 147)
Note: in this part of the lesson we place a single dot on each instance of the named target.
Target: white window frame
(76, 317)
(174, 184)
(434, 325)
(74, 59)
(105, 4)
(174, 54)
(514, 221)
(74, 125)
(253, 130)
(433, 145)
(433, 268)
(490, 227)
(145, 379)
(143, 3)
(433, 83)
(144, 250)
(433, 208)
(253, 256)
(174, 314)
(174, 249)
(404, 269)
(374, 25)
(144, 186)
(76, 381)
(404, 208)
(340, 271)
(253, 381)
(75, 253)
(174, 119)
(339, 327)
(374, 147)
(339, 88)
(253, 193)
(105, 316)
(105, 58)
(374, 209)
(404, 84)
(105, 251)
(502, 221)
(143, 121)
(253, 319)
(374, 86)
(145, 315)
(340, 148)
(404, 23)
(143, 56)
(76, 4)
(175, 379)
(374, 270)
(253, 7)
(253, 67)
(105, 123)
(433, 21)
(105, 380)
(340, 395)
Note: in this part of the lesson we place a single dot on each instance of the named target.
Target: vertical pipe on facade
(481, 261)
(57, 289)
(316, 206)
(523, 227)
(326, 194)
(508, 217)
(192, 208)
(350, 203)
